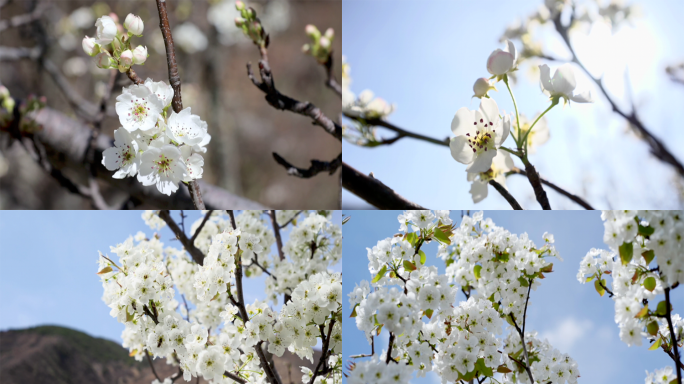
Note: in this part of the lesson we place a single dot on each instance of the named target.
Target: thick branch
(556, 188)
(389, 348)
(504, 192)
(673, 337)
(196, 254)
(373, 191)
(535, 181)
(316, 167)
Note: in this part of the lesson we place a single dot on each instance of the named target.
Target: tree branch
(26, 18)
(522, 341)
(174, 80)
(330, 81)
(556, 188)
(199, 229)
(673, 337)
(276, 231)
(389, 348)
(149, 360)
(373, 191)
(316, 167)
(195, 253)
(504, 192)
(18, 53)
(658, 149)
(325, 353)
(401, 132)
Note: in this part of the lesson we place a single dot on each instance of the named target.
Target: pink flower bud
(239, 5)
(134, 24)
(312, 31)
(90, 46)
(104, 61)
(126, 59)
(139, 54)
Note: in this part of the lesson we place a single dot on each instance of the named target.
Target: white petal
(479, 191)
(460, 150)
(499, 62)
(462, 122)
(511, 49)
(489, 111)
(482, 162)
(111, 158)
(584, 97)
(564, 80)
(545, 76)
(500, 137)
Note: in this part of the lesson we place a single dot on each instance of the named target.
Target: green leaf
(477, 270)
(648, 256)
(379, 330)
(642, 313)
(345, 220)
(248, 273)
(599, 288)
(380, 274)
(411, 238)
(646, 231)
(409, 266)
(482, 368)
(423, 257)
(661, 310)
(216, 296)
(503, 369)
(674, 381)
(129, 317)
(105, 270)
(626, 252)
(547, 269)
(652, 328)
(523, 282)
(590, 278)
(655, 345)
(469, 376)
(429, 313)
(650, 283)
(353, 314)
(441, 236)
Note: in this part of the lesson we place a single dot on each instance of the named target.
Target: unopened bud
(139, 54)
(329, 33)
(239, 5)
(134, 24)
(90, 46)
(312, 31)
(239, 22)
(306, 48)
(325, 43)
(126, 59)
(114, 17)
(116, 44)
(481, 87)
(104, 60)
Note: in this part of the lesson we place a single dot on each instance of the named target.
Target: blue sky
(425, 56)
(573, 317)
(48, 265)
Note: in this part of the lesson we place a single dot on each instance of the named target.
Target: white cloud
(567, 333)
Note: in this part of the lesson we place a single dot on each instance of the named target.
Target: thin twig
(556, 188)
(235, 377)
(401, 132)
(330, 81)
(134, 76)
(291, 220)
(276, 231)
(522, 341)
(673, 337)
(199, 229)
(373, 190)
(324, 353)
(174, 80)
(149, 360)
(195, 253)
(316, 167)
(504, 192)
(389, 348)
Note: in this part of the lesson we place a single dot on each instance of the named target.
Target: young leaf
(422, 257)
(441, 236)
(129, 317)
(411, 237)
(353, 314)
(477, 270)
(409, 266)
(599, 288)
(590, 278)
(503, 369)
(215, 297)
(648, 256)
(642, 313)
(105, 270)
(548, 268)
(380, 274)
(429, 313)
(646, 231)
(133, 352)
(626, 252)
(656, 344)
(379, 330)
(652, 328)
(650, 283)
(661, 310)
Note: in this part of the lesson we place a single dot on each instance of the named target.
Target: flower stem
(553, 104)
(517, 115)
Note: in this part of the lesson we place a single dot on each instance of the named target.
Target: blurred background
(570, 315)
(425, 56)
(48, 266)
(211, 54)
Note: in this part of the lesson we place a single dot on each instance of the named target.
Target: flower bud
(134, 24)
(139, 54)
(90, 46)
(481, 87)
(312, 31)
(126, 59)
(116, 44)
(325, 43)
(329, 33)
(239, 22)
(104, 60)
(106, 30)
(239, 5)
(114, 17)
(306, 48)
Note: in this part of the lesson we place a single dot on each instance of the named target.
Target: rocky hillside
(51, 354)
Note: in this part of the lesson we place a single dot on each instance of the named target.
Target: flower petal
(584, 97)
(490, 111)
(500, 62)
(460, 150)
(564, 80)
(511, 49)
(545, 77)
(500, 137)
(463, 122)
(479, 191)
(482, 162)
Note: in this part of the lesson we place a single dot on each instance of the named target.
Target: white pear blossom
(106, 30)
(163, 91)
(501, 164)
(161, 165)
(481, 87)
(193, 162)
(185, 128)
(139, 54)
(562, 84)
(124, 157)
(502, 61)
(138, 108)
(125, 60)
(134, 24)
(478, 135)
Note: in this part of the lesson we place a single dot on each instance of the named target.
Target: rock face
(58, 355)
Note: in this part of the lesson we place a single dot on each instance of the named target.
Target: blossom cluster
(154, 143)
(144, 287)
(644, 260)
(321, 44)
(416, 304)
